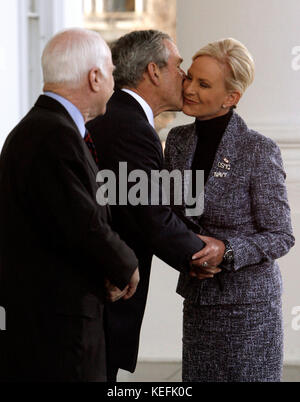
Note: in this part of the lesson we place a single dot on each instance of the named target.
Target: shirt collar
(147, 109)
(73, 111)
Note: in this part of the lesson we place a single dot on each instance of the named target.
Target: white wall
(162, 327)
(73, 16)
(9, 68)
(15, 41)
(270, 29)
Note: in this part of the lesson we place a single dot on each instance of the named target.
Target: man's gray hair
(71, 54)
(133, 52)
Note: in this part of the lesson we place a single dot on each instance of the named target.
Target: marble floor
(171, 372)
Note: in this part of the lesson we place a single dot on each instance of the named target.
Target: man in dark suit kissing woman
(148, 81)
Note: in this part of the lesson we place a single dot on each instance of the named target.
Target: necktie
(91, 146)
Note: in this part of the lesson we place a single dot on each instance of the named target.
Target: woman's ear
(95, 79)
(232, 99)
(154, 73)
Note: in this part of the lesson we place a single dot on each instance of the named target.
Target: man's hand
(114, 293)
(211, 255)
(132, 286)
(204, 273)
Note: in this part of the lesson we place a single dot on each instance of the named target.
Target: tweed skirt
(233, 343)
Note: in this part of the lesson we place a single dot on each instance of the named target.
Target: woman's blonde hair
(233, 54)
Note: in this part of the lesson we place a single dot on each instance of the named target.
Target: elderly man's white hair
(71, 54)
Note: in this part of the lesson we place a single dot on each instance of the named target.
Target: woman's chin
(187, 110)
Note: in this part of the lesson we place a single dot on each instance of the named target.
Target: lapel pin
(223, 165)
(220, 174)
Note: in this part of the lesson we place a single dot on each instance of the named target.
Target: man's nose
(183, 74)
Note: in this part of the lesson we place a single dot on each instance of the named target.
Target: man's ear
(95, 79)
(154, 73)
(232, 99)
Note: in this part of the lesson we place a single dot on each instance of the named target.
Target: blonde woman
(233, 321)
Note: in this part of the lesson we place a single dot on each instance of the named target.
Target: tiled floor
(171, 372)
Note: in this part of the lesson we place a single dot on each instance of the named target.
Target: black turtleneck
(210, 133)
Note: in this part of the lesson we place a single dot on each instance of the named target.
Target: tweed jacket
(245, 202)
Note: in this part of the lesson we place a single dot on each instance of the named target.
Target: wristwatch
(228, 257)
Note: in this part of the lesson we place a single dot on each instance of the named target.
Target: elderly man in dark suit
(57, 249)
(148, 81)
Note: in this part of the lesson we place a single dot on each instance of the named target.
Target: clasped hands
(113, 293)
(204, 264)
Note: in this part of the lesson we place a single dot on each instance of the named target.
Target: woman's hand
(211, 255)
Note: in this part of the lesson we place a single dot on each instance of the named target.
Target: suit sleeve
(166, 234)
(271, 212)
(61, 196)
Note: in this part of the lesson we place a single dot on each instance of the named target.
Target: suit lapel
(189, 149)
(186, 150)
(90, 159)
(226, 156)
(49, 103)
(226, 152)
(95, 170)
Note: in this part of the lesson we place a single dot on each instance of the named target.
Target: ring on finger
(205, 264)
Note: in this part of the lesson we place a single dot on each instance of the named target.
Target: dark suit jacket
(124, 134)
(56, 248)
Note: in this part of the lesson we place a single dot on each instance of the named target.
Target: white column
(9, 68)
(139, 6)
(73, 13)
(270, 30)
(59, 14)
(88, 6)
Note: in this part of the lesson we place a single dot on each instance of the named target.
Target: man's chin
(102, 111)
(180, 105)
(178, 108)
